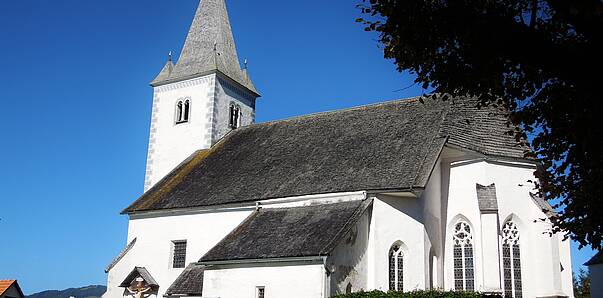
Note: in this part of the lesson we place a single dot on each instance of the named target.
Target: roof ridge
(317, 114)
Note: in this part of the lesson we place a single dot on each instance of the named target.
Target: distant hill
(83, 292)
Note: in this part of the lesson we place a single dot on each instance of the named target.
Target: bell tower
(201, 97)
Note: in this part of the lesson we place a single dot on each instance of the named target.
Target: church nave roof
(388, 146)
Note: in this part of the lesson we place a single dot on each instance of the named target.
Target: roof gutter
(308, 259)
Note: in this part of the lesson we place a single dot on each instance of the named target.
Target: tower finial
(245, 64)
(170, 56)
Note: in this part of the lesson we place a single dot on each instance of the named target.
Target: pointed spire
(210, 46)
(165, 72)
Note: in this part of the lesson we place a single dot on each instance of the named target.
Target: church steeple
(209, 47)
(201, 97)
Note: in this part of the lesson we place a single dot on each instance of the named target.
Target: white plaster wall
(118, 273)
(462, 204)
(292, 281)
(171, 143)
(227, 93)
(596, 280)
(431, 202)
(540, 253)
(154, 243)
(491, 253)
(350, 260)
(397, 219)
(565, 255)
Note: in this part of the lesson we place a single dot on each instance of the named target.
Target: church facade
(401, 195)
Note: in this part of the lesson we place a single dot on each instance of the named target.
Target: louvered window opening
(464, 269)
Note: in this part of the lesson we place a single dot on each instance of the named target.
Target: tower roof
(209, 46)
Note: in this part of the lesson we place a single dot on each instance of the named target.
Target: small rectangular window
(261, 292)
(179, 254)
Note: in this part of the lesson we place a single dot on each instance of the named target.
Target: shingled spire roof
(209, 47)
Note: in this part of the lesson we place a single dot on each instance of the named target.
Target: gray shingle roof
(209, 46)
(289, 232)
(142, 272)
(189, 283)
(387, 146)
(166, 71)
(486, 198)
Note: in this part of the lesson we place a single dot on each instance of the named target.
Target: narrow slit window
(179, 254)
(462, 256)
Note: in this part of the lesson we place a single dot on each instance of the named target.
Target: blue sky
(76, 107)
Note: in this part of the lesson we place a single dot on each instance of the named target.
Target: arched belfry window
(464, 271)
(183, 110)
(187, 109)
(234, 116)
(511, 260)
(396, 268)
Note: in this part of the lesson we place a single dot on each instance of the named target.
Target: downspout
(326, 280)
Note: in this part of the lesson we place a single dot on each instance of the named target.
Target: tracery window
(183, 109)
(464, 271)
(396, 268)
(511, 260)
(234, 116)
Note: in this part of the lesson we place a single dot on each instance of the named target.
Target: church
(402, 195)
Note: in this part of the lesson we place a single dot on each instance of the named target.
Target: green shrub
(416, 294)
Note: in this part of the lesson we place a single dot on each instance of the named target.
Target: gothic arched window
(183, 109)
(511, 260)
(396, 268)
(464, 272)
(234, 116)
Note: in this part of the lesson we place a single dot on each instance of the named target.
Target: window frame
(395, 259)
(174, 262)
(511, 260)
(463, 257)
(260, 292)
(182, 112)
(234, 116)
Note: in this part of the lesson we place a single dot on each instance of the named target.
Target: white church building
(401, 195)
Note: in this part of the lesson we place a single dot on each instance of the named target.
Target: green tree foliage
(415, 294)
(582, 284)
(540, 59)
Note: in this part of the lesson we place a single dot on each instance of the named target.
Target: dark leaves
(539, 59)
